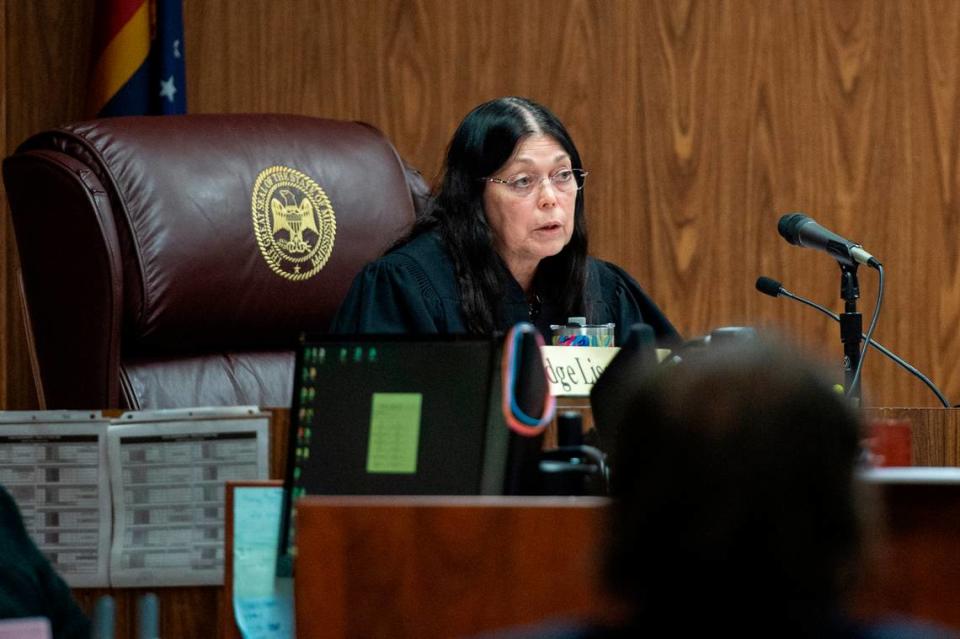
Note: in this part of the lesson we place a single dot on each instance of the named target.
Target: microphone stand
(851, 328)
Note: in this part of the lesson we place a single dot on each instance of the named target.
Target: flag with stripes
(138, 59)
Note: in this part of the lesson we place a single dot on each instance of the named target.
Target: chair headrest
(240, 229)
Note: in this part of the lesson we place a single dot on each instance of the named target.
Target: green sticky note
(394, 433)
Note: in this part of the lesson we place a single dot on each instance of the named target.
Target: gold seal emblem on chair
(293, 221)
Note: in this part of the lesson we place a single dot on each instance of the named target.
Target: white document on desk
(54, 464)
(168, 472)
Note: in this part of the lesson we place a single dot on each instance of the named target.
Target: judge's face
(529, 226)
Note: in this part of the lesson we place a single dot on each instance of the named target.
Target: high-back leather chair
(173, 261)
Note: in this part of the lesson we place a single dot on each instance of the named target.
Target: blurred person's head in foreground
(735, 499)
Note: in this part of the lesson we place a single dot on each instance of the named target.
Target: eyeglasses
(564, 180)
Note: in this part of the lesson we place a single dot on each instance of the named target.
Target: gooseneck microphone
(800, 230)
(773, 288)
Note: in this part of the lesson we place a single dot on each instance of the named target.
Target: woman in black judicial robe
(502, 241)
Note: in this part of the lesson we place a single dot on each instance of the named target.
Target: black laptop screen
(395, 416)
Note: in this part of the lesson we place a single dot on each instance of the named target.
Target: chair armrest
(71, 269)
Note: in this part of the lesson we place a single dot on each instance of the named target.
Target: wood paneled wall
(47, 56)
(702, 122)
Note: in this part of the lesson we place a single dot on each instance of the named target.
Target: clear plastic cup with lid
(576, 332)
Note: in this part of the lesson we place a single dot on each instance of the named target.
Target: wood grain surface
(443, 567)
(702, 122)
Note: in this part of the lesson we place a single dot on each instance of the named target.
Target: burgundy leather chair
(174, 261)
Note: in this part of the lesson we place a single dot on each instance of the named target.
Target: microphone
(773, 288)
(800, 230)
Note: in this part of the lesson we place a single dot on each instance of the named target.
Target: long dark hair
(483, 143)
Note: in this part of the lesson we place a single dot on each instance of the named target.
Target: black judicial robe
(413, 289)
(29, 586)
